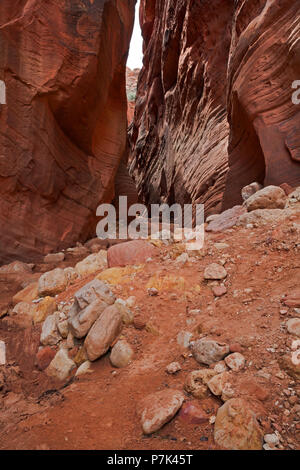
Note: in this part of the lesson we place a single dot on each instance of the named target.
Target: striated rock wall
(63, 129)
(215, 93)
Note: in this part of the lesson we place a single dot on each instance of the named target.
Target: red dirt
(98, 411)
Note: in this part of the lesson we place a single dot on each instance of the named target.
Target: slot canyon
(123, 344)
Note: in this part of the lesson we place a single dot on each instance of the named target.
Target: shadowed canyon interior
(213, 110)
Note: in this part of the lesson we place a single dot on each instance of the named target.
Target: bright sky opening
(135, 58)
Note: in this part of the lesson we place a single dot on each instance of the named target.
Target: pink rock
(130, 253)
(226, 220)
(218, 291)
(44, 357)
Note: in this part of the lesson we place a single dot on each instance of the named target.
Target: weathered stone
(293, 299)
(72, 275)
(130, 253)
(81, 321)
(93, 263)
(293, 326)
(184, 338)
(61, 366)
(219, 291)
(125, 312)
(235, 361)
(261, 217)
(28, 294)
(52, 283)
(217, 383)
(196, 382)
(23, 308)
(173, 368)
(16, 267)
(53, 258)
(44, 356)
(159, 408)
(121, 354)
(102, 334)
(236, 427)
(2, 353)
(226, 220)
(250, 189)
(50, 335)
(290, 363)
(94, 290)
(215, 272)
(208, 351)
(63, 328)
(43, 309)
(84, 369)
(198, 412)
(271, 197)
(81, 356)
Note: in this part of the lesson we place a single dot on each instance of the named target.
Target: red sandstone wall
(63, 130)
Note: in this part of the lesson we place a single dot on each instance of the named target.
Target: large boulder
(81, 321)
(236, 427)
(103, 333)
(208, 351)
(93, 263)
(159, 408)
(271, 197)
(52, 283)
(130, 253)
(61, 366)
(94, 290)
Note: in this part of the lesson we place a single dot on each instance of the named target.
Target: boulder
(72, 275)
(23, 308)
(43, 357)
(94, 290)
(236, 427)
(261, 217)
(103, 333)
(28, 294)
(196, 382)
(226, 220)
(130, 253)
(50, 335)
(125, 312)
(159, 408)
(61, 366)
(293, 299)
(293, 326)
(215, 272)
(52, 283)
(250, 189)
(121, 354)
(217, 383)
(93, 263)
(290, 363)
(81, 321)
(16, 267)
(54, 258)
(63, 328)
(84, 369)
(271, 197)
(43, 309)
(208, 351)
(235, 361)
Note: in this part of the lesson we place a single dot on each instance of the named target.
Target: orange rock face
(215, 93)
(63, 129)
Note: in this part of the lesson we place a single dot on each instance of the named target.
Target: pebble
(173, 368)
(215, 272)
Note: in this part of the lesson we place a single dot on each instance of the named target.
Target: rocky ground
(153, 346)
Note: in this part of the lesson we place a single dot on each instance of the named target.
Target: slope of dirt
(98, 411)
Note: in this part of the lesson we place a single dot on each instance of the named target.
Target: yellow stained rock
(81, 357)
(115, 276)
(167, 283)
(43, 309)
(28, 294)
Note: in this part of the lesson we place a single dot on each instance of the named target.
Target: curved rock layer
(186, 132)
(63, 129)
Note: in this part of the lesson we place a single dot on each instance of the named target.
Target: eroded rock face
(180, 117)
(63, 129)
(183, 125)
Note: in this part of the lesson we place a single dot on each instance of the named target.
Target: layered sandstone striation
(215, 93)
(63, 129)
